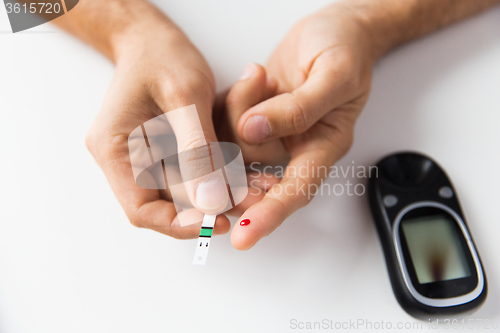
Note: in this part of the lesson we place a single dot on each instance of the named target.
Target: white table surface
(71, 262)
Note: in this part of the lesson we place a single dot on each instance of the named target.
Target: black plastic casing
(412, 177)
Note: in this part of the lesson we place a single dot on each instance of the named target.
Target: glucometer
(433, 264)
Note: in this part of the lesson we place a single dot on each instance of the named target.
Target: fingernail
(245, 222)
(249, 71)
(256, 129)
(211, 194)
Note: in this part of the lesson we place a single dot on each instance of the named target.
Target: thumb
(327, 87)
(200, 159)
(187, 103)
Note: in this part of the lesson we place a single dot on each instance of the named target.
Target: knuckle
(191, 86)
(346, 144)
(345, 141)
(108, 150)
(350, 71)
(89, 142)
(95, 144)
(136, 221)
(309, 195)
(233, 99)
(341, 138)
(108, 146)
(298, 118)
(116, 147)
(179, 91)
(92, 139)
(281, 211)
(195, 163)
(196, 142)
(137, 217)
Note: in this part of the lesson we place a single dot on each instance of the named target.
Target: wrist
(385, 23)
(110, 25)
(390, 23)
(149, 36)
(147, 27)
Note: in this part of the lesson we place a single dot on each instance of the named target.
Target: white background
(71, 262)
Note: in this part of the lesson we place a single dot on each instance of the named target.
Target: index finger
(145, 208)
(294, 191)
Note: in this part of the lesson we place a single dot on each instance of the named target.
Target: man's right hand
(157, 70)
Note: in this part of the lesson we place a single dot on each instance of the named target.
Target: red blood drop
(245, 222)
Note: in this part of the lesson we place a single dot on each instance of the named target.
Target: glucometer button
(445, 192)
(390, 200)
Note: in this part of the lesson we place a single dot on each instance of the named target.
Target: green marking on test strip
(206, 232)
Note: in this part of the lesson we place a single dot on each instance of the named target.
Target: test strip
(203, 244)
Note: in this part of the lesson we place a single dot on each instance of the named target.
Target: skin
(309, 94)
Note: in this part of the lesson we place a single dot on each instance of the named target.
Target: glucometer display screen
(435, 248)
